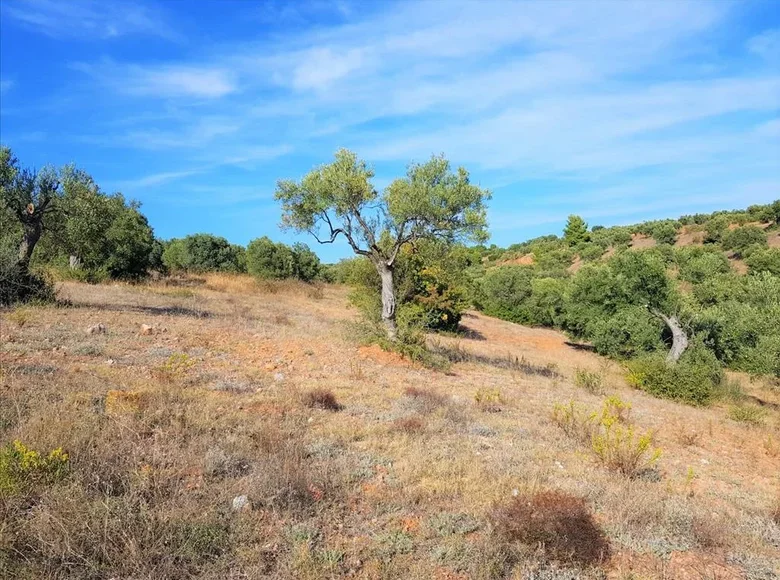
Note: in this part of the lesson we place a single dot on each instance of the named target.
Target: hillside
(192, 396)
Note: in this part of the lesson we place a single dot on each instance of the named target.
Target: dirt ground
(388, 483)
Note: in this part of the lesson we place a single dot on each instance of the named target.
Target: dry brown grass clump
(555, 522)
(322, 399)
(409, 425)
(426, 400)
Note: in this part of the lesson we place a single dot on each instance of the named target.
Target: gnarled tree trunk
(32, 233)
(679, 338)
(388, 298)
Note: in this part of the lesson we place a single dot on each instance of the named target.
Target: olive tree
(430, 202)
(29, 196)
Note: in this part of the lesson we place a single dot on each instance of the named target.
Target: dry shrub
(556, 522)
(409, 425)
(321, 399)
(426, 400)
(775, 514)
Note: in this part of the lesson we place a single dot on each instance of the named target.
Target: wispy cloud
(6, 85)
(88, 19)
(163, 81)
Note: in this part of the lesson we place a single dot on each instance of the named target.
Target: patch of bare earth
(397, 476)
(641, 241)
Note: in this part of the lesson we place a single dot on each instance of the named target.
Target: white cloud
(88, 19)
(161, 81)
(766, 45)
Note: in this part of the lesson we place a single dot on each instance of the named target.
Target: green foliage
(697, 264)
(664, 233)
(741, 239)
(504, 292)
(693, 380)
(631, 331)
(203, 253)
(268, 259)
(576, 231)
(715, 229)
(764, 260)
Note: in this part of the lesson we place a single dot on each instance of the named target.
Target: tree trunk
(679, 338)
(388, 299)
(32, 233)
(74, 262)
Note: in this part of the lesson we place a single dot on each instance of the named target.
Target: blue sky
(617, 111)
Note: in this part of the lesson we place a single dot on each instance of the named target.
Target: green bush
(665, 233)
(630, 332)
(693, 379)
(504, 292)
(764, 260)
(740, 239)
(202, 253)
(698, 264)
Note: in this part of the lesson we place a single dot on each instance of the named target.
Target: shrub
(612, 439)
(588, 380)
(21, 467)
(322, 399)
(665, 233)
(554, 521)
(740, 239)
(268, 259)
(764, 260)
(630, 332)
(203, 253)
(19, 286)
(504, 292)
(693, 379)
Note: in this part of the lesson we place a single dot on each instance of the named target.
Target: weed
(556, 522)
(488, 400)
(614, 441)
(174, 368)
(748, 414)
(449, 524)
(21, 466)
(771, 446)
(322, 399)
(394, 543)
(20, 316)
(589, 380)
(356, 371)
(687, 437)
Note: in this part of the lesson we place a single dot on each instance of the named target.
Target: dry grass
(164, 430)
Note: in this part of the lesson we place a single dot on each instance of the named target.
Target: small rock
(279, 377)
(241, 503)
(110, 362)
(97, 329)
(147, 330)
